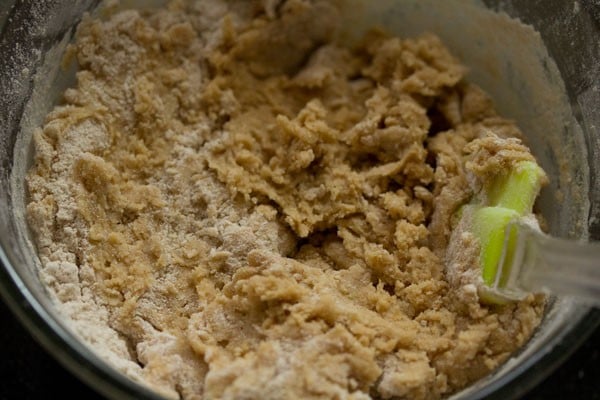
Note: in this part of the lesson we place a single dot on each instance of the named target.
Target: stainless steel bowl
(34, 33)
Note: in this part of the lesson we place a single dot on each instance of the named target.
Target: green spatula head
(517, 189)
(509, 196)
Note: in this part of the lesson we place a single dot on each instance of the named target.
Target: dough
(241, 207)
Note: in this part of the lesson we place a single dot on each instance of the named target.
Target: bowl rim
(60, 342)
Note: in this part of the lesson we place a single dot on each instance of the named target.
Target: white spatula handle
(559, 266)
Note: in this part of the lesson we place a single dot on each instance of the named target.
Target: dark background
(28, 372)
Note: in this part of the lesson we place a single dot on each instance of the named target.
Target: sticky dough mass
(246, 208)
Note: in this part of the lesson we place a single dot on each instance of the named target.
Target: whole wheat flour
(230, 204)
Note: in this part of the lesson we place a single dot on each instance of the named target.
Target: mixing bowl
(544, 73)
